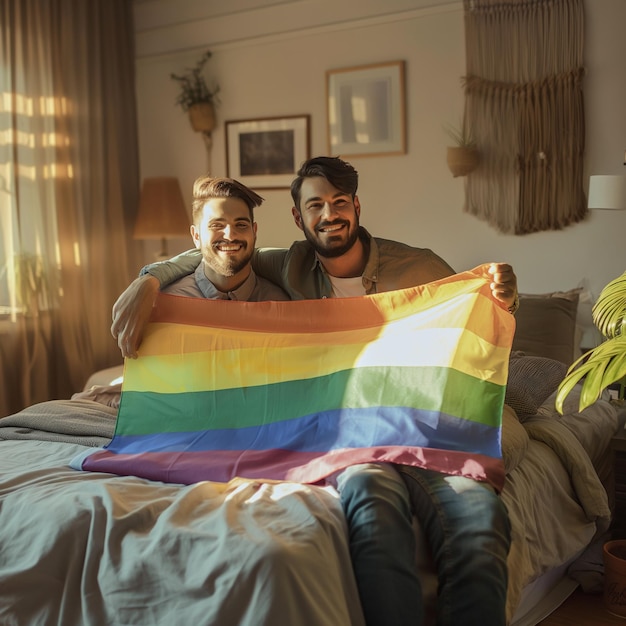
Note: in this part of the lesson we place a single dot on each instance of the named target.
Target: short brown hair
(207, 187)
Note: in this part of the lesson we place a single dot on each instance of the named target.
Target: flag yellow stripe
(246, 367)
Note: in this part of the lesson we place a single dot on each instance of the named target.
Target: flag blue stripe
(331, 430)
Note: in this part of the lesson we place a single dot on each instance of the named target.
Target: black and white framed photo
(265, 153)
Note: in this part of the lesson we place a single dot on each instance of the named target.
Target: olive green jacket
(390, 265)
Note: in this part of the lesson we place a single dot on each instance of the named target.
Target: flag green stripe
(452, 392)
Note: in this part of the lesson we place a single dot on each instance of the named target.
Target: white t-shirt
(347, 287)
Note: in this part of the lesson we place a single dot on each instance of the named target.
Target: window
(29, 167)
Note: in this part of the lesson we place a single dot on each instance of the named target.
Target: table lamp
(162, 214)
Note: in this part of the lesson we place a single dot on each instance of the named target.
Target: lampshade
(162, 212)
(607, 192)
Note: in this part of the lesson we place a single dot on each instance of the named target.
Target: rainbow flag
(298, 390)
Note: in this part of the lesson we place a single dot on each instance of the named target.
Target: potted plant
(463, 158)
(605, 364)
(196, 98)
(34, 284)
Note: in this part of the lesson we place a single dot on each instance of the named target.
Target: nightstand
(618, 450)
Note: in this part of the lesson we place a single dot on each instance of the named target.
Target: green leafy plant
(462, 137)
(605, 364)
(193, 87)
(34, 284)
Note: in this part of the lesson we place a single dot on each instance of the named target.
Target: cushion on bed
(109, 395)
(532, 379)
(571, 403)
(546, 325)
(108, 376)
(593, 427)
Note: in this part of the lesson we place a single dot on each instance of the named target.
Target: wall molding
(187, 39)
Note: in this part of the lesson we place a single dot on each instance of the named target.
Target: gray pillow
(531, 380)
(546, 325)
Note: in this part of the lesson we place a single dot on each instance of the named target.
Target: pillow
(109, 395)
(571, 403)
(514, 440)
(546, 325)
(108, 376)
(532, 379)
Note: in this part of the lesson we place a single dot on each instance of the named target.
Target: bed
(82, 548)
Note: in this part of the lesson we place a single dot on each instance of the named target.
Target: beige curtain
(524, 105)
(68, 191)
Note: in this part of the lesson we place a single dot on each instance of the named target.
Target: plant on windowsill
(605, 364)
(462, 158)
(196, 98)
(33, 284)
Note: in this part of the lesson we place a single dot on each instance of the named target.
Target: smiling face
(226, 235)
(328, 217)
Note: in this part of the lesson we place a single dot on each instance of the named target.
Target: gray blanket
(79, 421)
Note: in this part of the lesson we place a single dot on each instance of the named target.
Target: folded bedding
(80, 421)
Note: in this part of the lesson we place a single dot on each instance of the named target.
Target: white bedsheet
(91, 549)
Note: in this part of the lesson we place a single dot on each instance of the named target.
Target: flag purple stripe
(221, 466)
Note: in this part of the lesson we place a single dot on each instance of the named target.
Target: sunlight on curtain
(68, 191)
(29, 233)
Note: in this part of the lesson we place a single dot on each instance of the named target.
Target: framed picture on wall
(366, 110)
(265, 153)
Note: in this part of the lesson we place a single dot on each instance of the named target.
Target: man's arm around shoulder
(269, 264)
(166, 272)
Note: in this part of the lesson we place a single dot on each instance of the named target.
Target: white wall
(270, 59)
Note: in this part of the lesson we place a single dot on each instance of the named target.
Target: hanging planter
(196, 98)
(202, 117)
(462, 160)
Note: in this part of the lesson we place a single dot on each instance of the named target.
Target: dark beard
(331, 252)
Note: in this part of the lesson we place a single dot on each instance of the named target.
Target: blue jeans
(465, 524)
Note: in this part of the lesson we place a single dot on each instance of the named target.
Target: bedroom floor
(582, 609)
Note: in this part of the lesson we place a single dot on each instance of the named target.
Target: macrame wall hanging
(524, 106)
